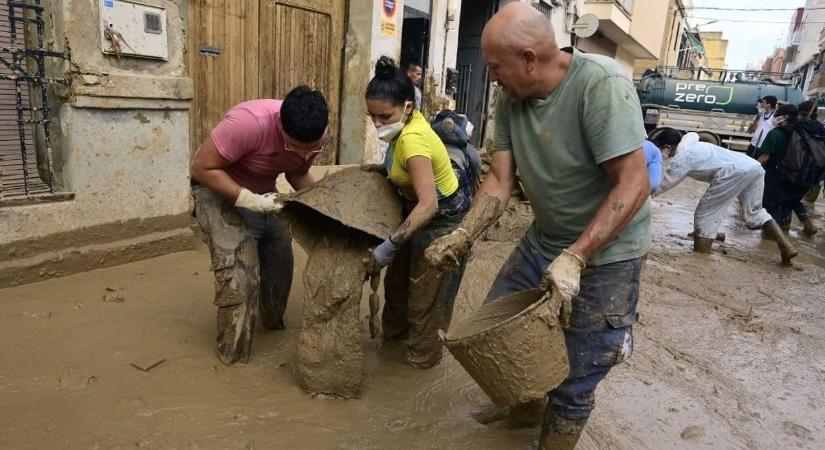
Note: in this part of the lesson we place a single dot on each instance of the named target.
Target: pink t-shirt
(250, 137)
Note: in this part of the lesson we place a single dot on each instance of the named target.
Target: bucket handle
(547, 316)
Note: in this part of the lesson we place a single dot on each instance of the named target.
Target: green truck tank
(720, 111)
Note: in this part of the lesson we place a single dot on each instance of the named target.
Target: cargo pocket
(227, 291)
(616, 341)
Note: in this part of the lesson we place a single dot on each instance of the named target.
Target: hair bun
(385, 68)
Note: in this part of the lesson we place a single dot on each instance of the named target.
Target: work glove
(562, 278)
(383, 254)
(260, 203)
(445, 252)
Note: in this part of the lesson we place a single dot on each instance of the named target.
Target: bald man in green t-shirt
(572, 125)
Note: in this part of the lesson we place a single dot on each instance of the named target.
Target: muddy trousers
(747, 186)
(406, 310)
(781, 199)
(601, 325)
(252, 261)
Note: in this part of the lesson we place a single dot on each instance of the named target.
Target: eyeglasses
(315, 151)
(303, 152)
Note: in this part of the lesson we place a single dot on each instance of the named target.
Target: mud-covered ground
(730, 353)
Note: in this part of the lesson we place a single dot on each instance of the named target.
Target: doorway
(415, 35)
(473, 86)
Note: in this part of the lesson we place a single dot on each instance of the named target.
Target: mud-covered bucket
(513, 347)
(364, 201)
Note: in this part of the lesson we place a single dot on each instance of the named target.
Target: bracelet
(578, 257)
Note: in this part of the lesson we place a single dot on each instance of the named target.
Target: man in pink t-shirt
(233, 177)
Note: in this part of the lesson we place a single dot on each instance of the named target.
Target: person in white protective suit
(731, 175)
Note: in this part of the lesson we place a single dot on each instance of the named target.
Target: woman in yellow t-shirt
(435, 195)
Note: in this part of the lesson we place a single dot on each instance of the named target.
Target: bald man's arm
(488, 205)
(631, 189)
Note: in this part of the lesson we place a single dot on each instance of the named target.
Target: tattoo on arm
(617, 206)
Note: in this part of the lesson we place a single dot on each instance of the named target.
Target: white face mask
(390, 131)
(778, 121)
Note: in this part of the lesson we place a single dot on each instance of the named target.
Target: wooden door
(223, 60)
(302, 43)
(245, 49)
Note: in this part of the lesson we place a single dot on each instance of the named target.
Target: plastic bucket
(513, 347)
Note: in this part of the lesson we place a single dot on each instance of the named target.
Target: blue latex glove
(383, 254)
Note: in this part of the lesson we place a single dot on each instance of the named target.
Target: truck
(718, 104)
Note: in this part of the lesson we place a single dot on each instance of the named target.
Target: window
(545, 8)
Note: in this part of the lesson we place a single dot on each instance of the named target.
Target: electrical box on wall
(135, 29)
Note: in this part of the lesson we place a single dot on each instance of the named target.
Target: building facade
(99, 173)
(629, 30)
(680, 46)
(716, 49)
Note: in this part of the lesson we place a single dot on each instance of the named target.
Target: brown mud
(330, 357)
(335, 222)
(729, 354)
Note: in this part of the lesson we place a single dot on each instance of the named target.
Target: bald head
(519, 48)
(518, 26)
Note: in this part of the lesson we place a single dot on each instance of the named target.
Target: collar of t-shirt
(573, 61)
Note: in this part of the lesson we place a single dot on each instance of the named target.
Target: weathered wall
(648, 23)
(366, 41)
(122, 136)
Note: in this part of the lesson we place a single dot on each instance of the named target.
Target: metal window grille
(544, 8)
(26, 166)
(465, 72)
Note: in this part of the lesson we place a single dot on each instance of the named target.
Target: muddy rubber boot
(771, 229)
(559, 433)
(236, 326)
(702, 245)
(809, 229)
(425, 360)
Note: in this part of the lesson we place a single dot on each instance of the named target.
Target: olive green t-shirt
(558, 144)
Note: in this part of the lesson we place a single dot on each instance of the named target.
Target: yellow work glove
(562, 278)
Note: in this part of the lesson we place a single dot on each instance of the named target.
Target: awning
(695, 43)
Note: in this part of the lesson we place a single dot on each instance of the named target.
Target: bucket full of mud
(513, 347)
(359, 200)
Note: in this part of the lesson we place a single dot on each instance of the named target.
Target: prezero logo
(702, 93)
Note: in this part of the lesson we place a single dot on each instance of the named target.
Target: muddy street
(729, 354)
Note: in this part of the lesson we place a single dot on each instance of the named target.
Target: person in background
(782, 198)
(807, 110)
(416, 73)
(762, 124)
(233, 178)
(731, 176)
(653, 157)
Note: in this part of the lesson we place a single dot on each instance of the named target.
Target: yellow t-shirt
(418, 139)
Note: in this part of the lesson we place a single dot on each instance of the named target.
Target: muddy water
(729, 354)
